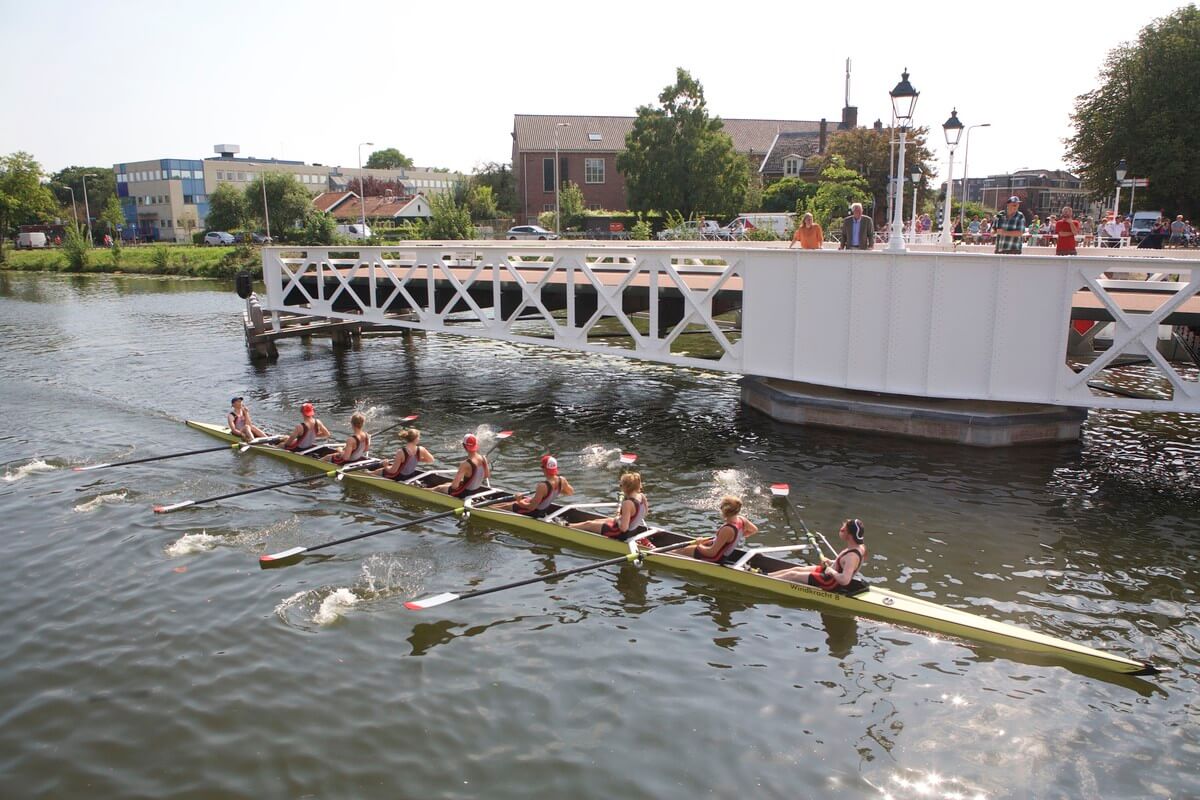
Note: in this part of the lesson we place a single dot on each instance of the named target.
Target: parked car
(30, 240)
(260, 238)
(530, 232)
(218, 238)
(355, 231)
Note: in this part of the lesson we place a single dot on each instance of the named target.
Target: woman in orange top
(808, 234)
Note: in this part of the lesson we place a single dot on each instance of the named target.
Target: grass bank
(201, 262)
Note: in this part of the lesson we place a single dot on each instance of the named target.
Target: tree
(113, 217)
(677, 158)
(499, 178)
(482, 203)
(840, 186)
(391, 158)
(23, 198)
(101, 185)
(227, 208)
(1145, 111)
(868, 152)
(376, 187)
(288, 201)
(320, 228)
(784, 195)
(571, 206)
(448, 220)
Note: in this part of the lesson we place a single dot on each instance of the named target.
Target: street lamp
(87, 212)
(904, 102)
(557, 218)
(915, 174)
(953, 130)
(1122, 170)
(962, 208)
(362, 201)
(74, 210)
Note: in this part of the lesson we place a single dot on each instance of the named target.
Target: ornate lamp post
(1122, 171)
(953, 130)
(915, 174)
(904, 101)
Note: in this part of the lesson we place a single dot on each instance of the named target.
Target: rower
(403, 466)
(238, 420)
(832, 574)
(472, 472)
(305, 435)
(631, 513)
(547, 491)
(729, 536)
(356, 446)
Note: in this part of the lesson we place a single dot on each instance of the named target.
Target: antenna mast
(847, 103)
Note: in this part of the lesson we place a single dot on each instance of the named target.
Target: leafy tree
(499, 178)
(678, 158)
(1145, 111)
(23, 198)
(288, 201)
(391, 158)
(839, 187)
(869, 153)
(571, 206)
(754, 193)
(101, 185)
(783, 195)
(448, 220)
(113, 217)
(227, 208)
(482, 203)
(376, 187)
(77, 249)
(320, 228)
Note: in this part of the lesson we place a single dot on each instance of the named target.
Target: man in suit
(858, 232)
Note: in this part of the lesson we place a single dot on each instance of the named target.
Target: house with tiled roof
(396, 208)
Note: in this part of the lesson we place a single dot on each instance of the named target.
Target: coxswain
(238, 420)
(472, 472)
(404, 466)
(538, 504)
(831, 574)
(305, 435)
(631, 512)
(729, 536)
(357, 443)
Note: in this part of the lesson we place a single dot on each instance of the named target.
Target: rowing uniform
(307, 439)
(362, 444)
(474, 481)
(612, 528)
(539, 511)
(818, 577)
(739, 539)
(406, 469)
(238, 422)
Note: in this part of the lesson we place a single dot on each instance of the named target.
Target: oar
(409, 418)
(447, 597)
(296, 551)
(233, 446)
(781, 490)
(186, 503)
(500, 437)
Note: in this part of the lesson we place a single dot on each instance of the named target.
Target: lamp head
(904, 99)
(953, 129)
(1122, 169)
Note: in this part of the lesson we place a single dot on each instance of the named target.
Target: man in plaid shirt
(1010, 227)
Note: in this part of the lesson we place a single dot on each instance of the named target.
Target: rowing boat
(748, 567)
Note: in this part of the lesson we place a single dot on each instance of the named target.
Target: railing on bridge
(931, 324)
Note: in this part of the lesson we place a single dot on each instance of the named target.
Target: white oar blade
(780, 489)
(431, 601)
(172, 507)
(93, 466)
(628, 458)
(503, 435)
(282, 555)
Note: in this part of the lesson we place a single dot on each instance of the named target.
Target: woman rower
(404, 466)
(305, 435)
(357, 443)
(729, 537)
(544, 495)
(631, 513)
(238, 420)
(472, 472)
(832, 574)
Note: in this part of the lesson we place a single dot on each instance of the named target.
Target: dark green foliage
(390, 158)
(499, 178)
(287, 199)
(449, 220)
(783, 195)
(227, 208)
(76, 250)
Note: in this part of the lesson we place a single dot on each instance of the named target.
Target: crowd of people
(1109, 231)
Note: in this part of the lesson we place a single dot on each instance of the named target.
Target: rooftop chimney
(226, 150)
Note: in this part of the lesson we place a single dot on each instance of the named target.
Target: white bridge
(973, 326)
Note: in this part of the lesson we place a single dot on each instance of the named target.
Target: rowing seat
(855, 586)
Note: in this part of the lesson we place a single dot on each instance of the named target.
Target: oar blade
(91, 467)
(628, 458)
(173, 507)
(282, 555)
(503, 435)
(410, 418)
(431, 601)
(780, 489)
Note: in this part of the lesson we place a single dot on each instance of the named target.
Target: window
(548, 175)
(593, 170)
(595, 207)
(594, 137)
(220, 175)
(188, 199)
(548, 207)
(792, 166)
(241, 176)
(168, 223)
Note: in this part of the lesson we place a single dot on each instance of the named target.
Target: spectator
(973, 229)
(858, 232)
(1010, 228)
(808, 234)
(1178, 232)
(1088, 229)
(1066, 230)
(1112, 232)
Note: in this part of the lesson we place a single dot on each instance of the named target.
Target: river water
(147, 655)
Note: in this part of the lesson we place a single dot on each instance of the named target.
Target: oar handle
(158, 458)
(294, 481)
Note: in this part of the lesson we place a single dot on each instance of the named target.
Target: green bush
(641, 230)
(115, 253)
(75, 249)
(161, 257)
(198, 238)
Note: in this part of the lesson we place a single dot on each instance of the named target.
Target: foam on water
(192, 543)
(334, 605)
(37, 465)
(96, 502)
(596, 455)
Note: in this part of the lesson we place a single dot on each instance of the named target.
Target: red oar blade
(628, 458)
(431, 601)
(283, 555)
(780, 489)
(410, 418)
(503, 435)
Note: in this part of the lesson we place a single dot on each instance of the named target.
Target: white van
(29, 241)
(1142, 223)
(779, 224)
(355, 231)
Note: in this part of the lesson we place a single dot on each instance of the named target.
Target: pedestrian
(1112, 232)
(858, 232)
(1088, 229)
(1066, 229)
(1010, 228)
(973, 227)
(1178, 232)
(808, 234)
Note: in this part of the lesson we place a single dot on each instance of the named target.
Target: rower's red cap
(307, 410)
(550, 464)
(470, 443)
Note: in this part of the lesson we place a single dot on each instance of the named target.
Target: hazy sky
(94, 83)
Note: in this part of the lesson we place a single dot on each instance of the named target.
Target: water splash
(725, 481)
(25, 470)
(192, 543)
(334, 605)
(104, 499)
(596, 455)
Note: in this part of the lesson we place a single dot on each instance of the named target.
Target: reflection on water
(607, 683)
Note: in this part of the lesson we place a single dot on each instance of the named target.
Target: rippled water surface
(147, 655)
